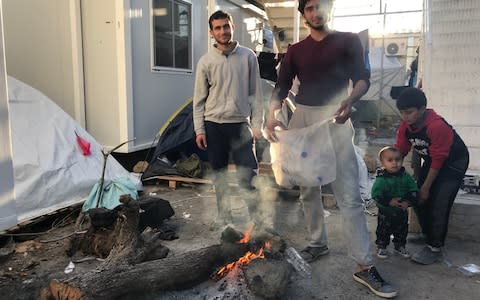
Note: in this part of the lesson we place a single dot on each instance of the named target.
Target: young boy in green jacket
(394, 190)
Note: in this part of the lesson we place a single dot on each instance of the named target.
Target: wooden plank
(173, 180)
(263, 169)
(183, 179)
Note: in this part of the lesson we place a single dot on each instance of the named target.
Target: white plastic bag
(363, 180)
(304, 156)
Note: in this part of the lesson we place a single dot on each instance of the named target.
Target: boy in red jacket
(445, 161)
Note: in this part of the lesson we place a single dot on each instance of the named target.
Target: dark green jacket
(391, 185)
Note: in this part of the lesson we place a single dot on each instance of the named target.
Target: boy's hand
(404, 205)
(395, 202)
(423, 194)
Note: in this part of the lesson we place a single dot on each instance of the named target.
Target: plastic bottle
(298, 263)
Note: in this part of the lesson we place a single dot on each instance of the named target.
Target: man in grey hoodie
(227, 112)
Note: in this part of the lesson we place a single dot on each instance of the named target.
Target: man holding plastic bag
(324, 63)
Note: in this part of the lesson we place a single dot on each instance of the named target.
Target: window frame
(164, 69)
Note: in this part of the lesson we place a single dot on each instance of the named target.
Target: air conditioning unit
(396, 47)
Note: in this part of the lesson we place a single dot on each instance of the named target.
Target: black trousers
(389, 223)
(235, 141)
(434, 214)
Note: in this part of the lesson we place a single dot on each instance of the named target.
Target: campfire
(263, 266)
(245, 259)
(257, 259)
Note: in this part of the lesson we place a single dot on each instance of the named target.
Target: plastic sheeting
(111, 194)
(393, 75)
(49, 168)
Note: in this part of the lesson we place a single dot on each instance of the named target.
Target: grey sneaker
(371, 279)
(427, 257)
(382, 253)
(402, 252)
(310, 254)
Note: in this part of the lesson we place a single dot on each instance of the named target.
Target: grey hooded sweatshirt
(227, 88)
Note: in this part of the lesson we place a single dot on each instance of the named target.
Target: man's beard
(320, 27)
(221, 42)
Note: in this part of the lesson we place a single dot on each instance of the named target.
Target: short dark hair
(302, 3)
(411, 97)
(219, 15)
(385, 149)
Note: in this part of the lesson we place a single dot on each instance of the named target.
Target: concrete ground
(195, 209)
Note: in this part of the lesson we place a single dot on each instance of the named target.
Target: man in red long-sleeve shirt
(445, 159)
(324, 63)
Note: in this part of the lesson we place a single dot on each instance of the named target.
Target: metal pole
(211, 8)
(296, 23)
(380, 98)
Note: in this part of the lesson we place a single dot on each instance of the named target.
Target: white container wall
(8, 215)
(452, 68)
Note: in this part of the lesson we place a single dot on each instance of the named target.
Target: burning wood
(244, 260)
(174, 272)
(264, 268)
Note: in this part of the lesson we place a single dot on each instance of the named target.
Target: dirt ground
(40, 258)
(43, 258)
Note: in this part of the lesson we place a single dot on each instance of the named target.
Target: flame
(248, 257)
(246, 235)
(267, 245)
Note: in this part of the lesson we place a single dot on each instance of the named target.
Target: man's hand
(201, 140)
(257, 133)
(343, 112)
(270, 129)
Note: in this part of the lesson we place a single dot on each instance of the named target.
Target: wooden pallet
(263, 170)
(173, 180)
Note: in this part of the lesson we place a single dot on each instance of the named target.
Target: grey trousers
(345, 188)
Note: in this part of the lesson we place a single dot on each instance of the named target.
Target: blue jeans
(345, 188)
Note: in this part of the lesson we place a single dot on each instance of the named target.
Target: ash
(232, 286)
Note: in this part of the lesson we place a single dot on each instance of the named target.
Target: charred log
(126, 271)
(268, 278)
(171, 273)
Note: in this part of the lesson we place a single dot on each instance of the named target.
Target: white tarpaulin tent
(50, 170)
(393, 75)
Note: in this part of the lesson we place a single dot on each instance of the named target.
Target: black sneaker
(427, 256)
(311, 254)
(371, 279)
(382, 253)
(402, 252)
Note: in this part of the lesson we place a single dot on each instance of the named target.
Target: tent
(392, 74)
(177, 136)
(177, 139)
(50, 171)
